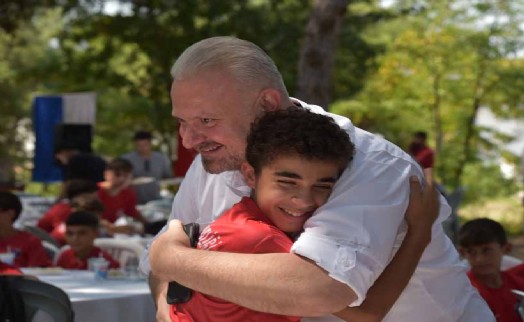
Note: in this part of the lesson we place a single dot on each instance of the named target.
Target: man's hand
(159, 292)
(172, 239)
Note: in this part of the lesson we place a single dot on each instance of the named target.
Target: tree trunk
(479, 90)
(314, 83)
(437, 120)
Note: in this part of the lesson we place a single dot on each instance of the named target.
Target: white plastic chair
(509, 262)
(51, 250)
(60, 251)
(121, 250)
(42, 234)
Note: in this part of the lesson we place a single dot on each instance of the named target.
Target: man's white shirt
(355, 234)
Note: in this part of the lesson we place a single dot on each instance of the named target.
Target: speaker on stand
(73, 137)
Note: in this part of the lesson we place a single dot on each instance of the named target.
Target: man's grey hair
(246, 62)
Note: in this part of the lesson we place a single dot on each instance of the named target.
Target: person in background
(483, 243)
(78, 164)
(53, 221)
(150, 164)
(81, 232)
(27, 248)
(91, 203)
(116, 194)
(419, 150)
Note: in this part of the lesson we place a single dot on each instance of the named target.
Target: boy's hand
(424, 205)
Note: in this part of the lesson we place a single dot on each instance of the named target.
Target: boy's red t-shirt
(242, 229)
(28, 250)
(69, 260)
(501, 301)
(122, 203)
(54, 219)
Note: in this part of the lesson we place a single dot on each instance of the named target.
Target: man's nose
(191, 138)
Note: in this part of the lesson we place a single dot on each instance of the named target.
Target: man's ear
(249, 174)
(270, 100)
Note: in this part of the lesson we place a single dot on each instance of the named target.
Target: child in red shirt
(292, 171)
(81, 232)
(483, 243)
(118, 197)
(53, 220)
(28, 249)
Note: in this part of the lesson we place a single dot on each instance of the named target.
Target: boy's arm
(422, 212)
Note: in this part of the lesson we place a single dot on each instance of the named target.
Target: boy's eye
(286, 183)
(324, 187)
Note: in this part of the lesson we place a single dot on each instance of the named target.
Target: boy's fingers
(415, 188)
(428, 175)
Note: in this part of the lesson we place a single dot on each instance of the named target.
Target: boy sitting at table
(53, 221)
(483, 243)
(294, 158)
(28, 249)
(81, 232)
(118, 197)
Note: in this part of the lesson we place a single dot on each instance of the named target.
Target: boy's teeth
(294, 214)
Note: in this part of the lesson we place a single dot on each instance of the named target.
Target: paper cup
(7, 258)
(99, 266)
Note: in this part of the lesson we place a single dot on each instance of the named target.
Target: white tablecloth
(106, 300)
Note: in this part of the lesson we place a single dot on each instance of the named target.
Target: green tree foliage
(126, 57)
(25, 61)
(441, 64)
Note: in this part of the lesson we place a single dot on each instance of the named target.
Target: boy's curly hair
(297, 131)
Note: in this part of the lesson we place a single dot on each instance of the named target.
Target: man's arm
(250, 280)
(284, 284)
(422, 212)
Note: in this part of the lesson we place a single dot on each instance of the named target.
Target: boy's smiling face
(291, 188)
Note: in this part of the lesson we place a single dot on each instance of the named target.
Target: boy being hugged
(81, 232)
(483, 243)
(294, 158)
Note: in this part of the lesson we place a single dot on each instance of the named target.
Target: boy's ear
(249, 174)
(507, 248)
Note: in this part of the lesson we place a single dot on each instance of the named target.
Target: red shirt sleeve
(56, 215)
